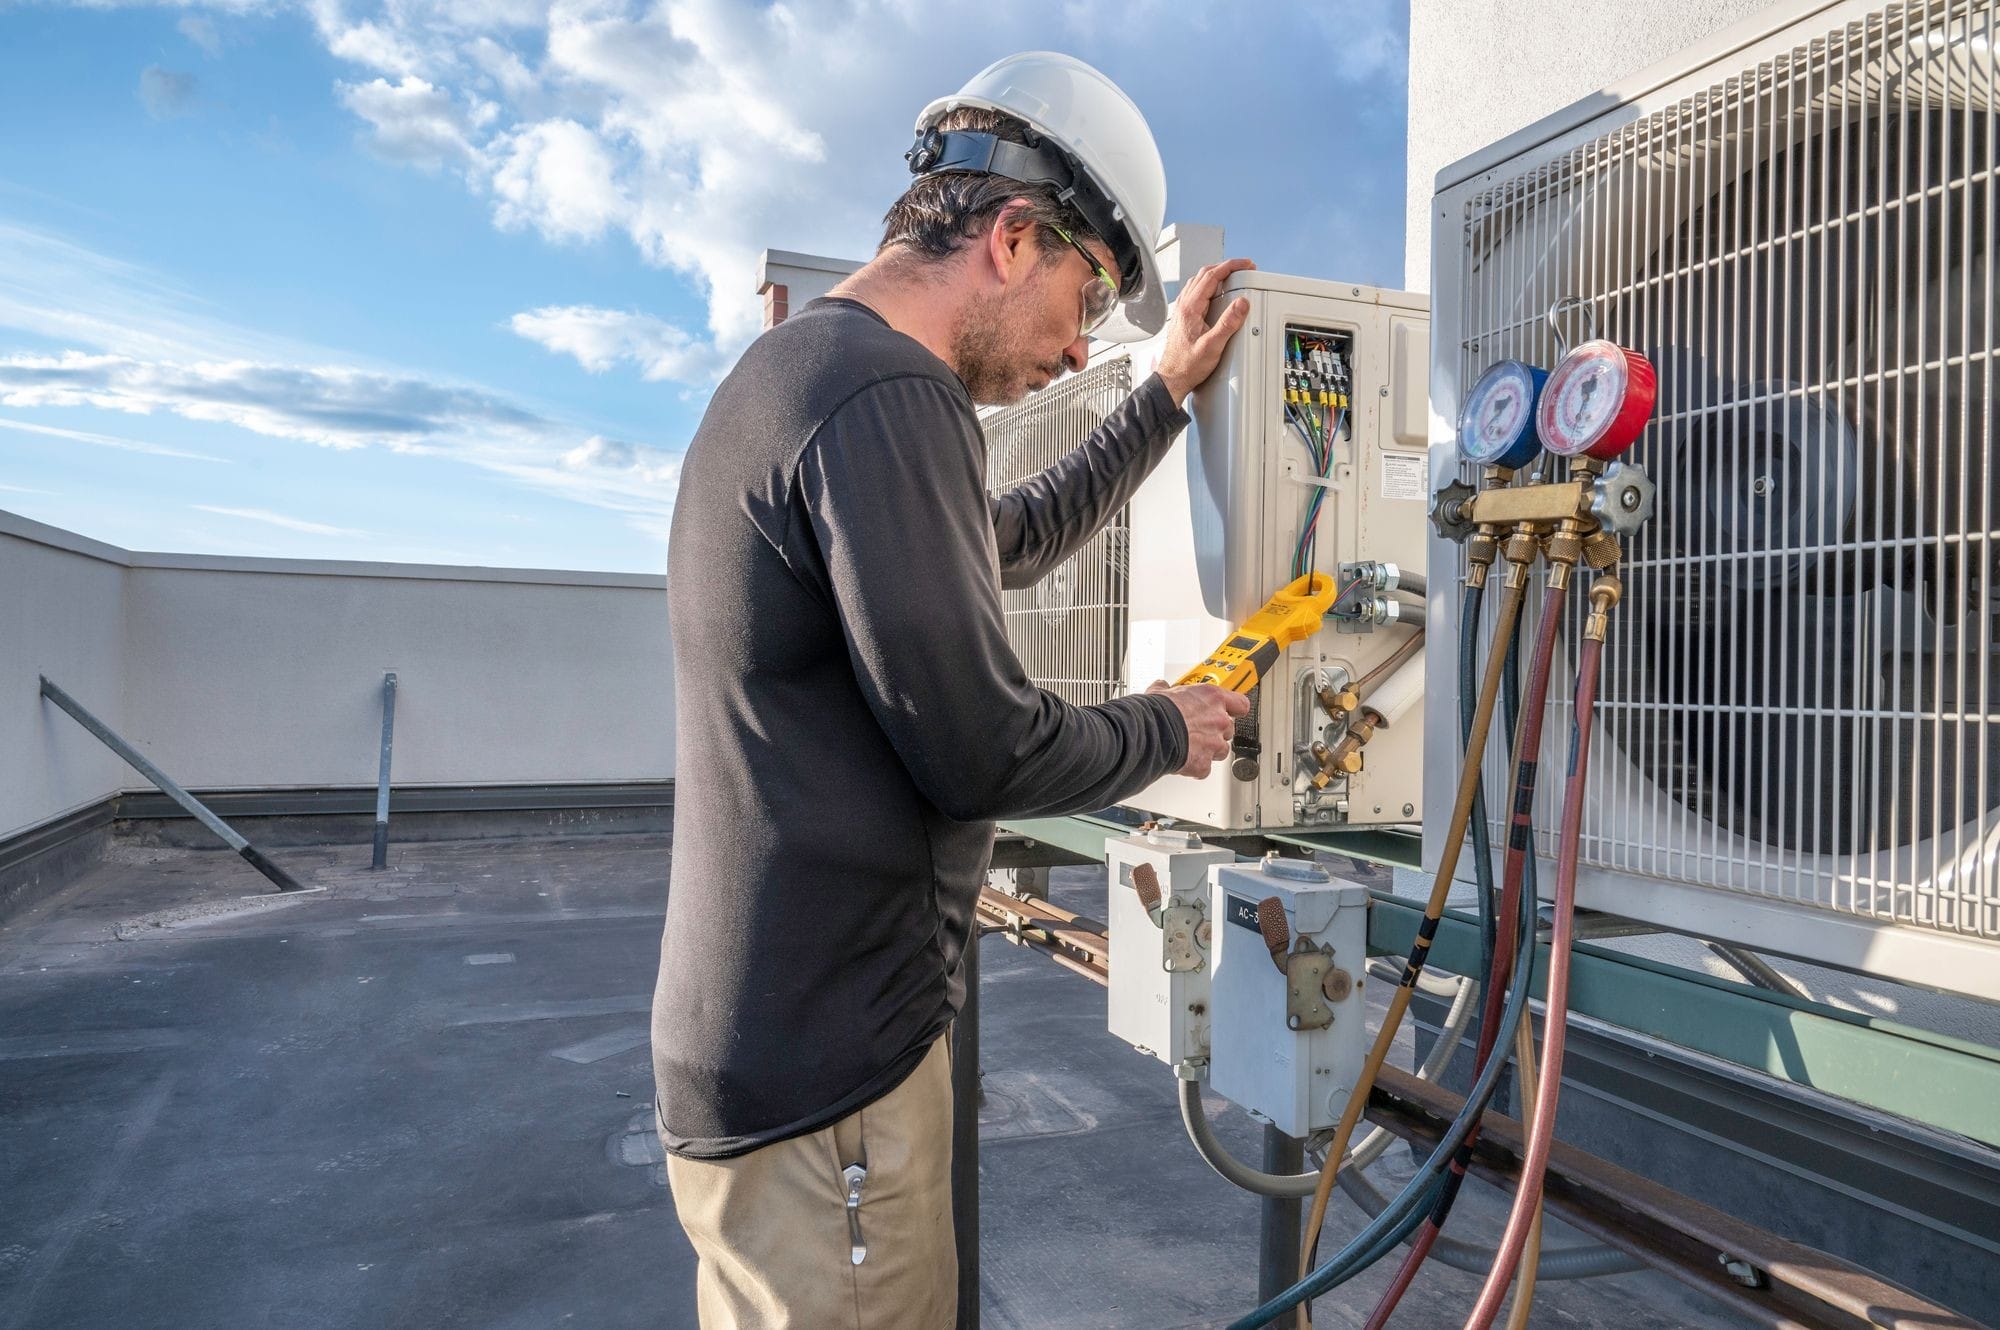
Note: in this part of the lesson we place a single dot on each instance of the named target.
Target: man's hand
(1210, 713)
(1193, 347)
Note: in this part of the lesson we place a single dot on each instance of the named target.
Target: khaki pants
(772, 1227)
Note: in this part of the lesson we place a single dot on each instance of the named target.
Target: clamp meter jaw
(1250, 653)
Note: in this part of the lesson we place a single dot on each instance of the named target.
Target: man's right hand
(1210, 713)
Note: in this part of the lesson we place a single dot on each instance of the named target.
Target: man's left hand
(1194, 346)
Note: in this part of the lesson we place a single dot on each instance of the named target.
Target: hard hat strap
(1037, 164)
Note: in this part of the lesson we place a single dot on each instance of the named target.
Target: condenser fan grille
(1068, 629)
(1801, 688)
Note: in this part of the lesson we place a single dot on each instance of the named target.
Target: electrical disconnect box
(1288, 1037)
(1308, 453)
(1161, 940)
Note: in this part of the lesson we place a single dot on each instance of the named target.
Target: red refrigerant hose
(1541, 1133)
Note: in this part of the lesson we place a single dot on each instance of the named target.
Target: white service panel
(1287, 1034)
(1160, 957)
(1308, 451)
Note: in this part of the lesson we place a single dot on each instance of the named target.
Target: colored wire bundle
(1319, 416)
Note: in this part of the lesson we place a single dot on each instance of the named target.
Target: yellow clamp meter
(1292, 615)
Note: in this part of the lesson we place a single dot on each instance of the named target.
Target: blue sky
(450, 280)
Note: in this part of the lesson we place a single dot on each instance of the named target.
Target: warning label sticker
(1406, 476)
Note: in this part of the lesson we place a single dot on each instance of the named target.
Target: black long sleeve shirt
(851, 719)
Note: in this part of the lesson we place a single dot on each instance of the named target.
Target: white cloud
(54, 288)
(414, 122)
(270, 518)
(202, 33)
(166, 93)
(601, 339)
(333, 406)
(373, 45)
(345, 408)
(654, 466)
(702, 131)
(155, 349)
(507, 70)
(103, 440)
(557, 177)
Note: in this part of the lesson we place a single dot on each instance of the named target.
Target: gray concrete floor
(420, 1098)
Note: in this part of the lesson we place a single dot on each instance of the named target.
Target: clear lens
(1100, 289)
(1099, 299)
(1583, 398)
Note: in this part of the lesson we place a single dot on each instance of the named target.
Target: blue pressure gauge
(1496, 427)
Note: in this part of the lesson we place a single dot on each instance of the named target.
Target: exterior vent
(1801, 693)
(1069, 629)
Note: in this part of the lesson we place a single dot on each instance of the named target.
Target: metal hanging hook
(1563, 304)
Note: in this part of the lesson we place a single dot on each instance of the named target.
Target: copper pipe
(1396, 660)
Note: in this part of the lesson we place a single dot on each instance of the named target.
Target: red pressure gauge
(1597, 401)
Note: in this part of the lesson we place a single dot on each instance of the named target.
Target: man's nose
(1077, 354)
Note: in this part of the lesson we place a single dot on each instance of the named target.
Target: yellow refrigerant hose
(1399, 1002)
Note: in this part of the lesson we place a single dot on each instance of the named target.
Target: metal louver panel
(1069, 629)
(1801, 689)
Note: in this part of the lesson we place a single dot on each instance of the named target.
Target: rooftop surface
(420, 1098)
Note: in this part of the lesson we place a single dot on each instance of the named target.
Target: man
(851, 718)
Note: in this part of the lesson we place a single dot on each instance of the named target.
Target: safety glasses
(1100, 289)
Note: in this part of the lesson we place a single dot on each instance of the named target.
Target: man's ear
(1011, 245)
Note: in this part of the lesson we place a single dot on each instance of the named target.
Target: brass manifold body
(1577, 519)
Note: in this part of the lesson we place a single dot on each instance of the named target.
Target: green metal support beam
(1077, 835)
(1945, 1083)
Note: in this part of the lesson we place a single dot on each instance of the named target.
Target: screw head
(1629, 498)
(1409, 809)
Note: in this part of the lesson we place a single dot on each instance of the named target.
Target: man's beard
(991, 355)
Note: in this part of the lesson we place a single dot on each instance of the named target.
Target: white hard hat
(1088, 119)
